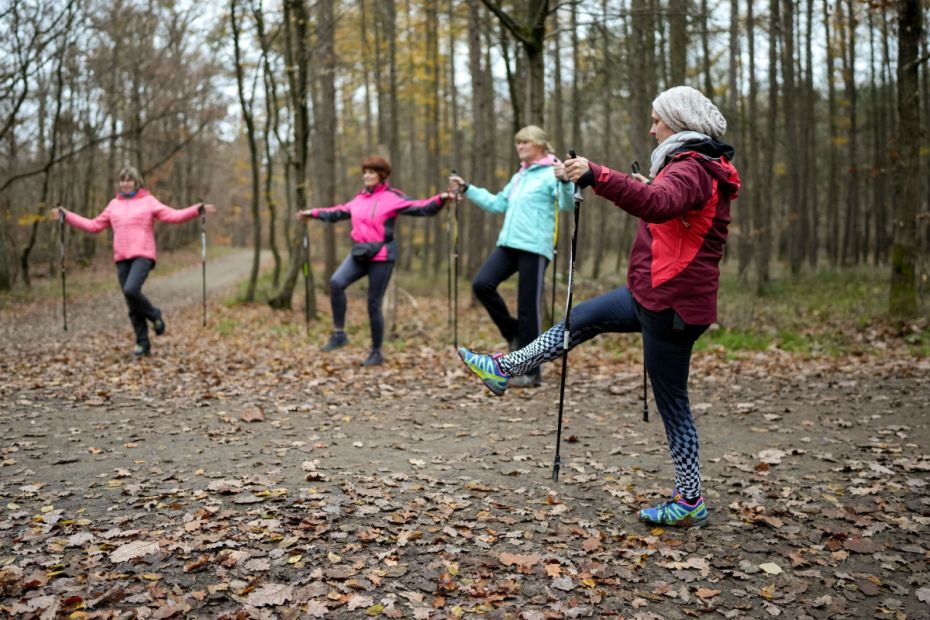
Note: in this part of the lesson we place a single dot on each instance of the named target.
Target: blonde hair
(130, 173)
(536, 135)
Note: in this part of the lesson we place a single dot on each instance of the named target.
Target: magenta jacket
(133, 223)
(684, 212)
(373, 213)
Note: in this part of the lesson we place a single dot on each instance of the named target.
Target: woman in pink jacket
(131, 215)
(374, 250)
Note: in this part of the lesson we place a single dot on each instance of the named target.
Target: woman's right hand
(304, 215)
(56, 212)
(575, 168)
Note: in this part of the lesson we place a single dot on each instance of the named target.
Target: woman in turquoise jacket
(529, 203)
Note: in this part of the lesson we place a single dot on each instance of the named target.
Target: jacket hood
(548, 160)
(715, 156)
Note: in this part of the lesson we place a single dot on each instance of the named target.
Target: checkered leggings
(668, 358)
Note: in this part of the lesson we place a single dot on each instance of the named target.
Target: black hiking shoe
(336, 340)
(159, 325)
(374, 358)
(142, 350)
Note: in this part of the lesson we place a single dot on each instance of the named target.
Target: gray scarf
(672, 144)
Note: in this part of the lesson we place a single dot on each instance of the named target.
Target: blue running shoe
(676, 512)
(487, 369)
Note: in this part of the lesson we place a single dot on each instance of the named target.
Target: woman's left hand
(209, 207)
(446, 197)
(558, 169)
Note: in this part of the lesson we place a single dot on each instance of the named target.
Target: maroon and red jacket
(684, 213)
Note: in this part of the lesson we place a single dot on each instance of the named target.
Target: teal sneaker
(487, 369)
(676, 512)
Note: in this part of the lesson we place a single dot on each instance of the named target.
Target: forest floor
(240, 473)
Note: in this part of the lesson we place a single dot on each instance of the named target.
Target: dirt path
(141, 490)
(172, 292)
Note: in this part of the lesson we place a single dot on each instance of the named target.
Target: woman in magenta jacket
(132, 214)
(672, 280)
(374, 250)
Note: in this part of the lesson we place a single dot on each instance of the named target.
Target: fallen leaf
(253, 414)
(771, 568)
(133, 550)
(271, 594)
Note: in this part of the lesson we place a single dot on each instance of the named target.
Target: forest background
(267, 108)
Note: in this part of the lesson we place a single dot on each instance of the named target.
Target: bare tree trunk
(678, 41)
(705, 50)
(52, 153)
(833, 212)
(325, 120)
(642, 90)
(903, 296)
(793, 239)
(531, 33)
(366, 70)
(811, 169)
(246, 105)
(763, 217)
(851, 239)
(271, 128)
(750, 167)
(473, 224)
(297, 58)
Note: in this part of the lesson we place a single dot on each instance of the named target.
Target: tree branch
(518, 30)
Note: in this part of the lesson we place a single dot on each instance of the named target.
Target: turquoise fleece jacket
(528, 203)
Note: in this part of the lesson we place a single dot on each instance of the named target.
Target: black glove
(586, 180)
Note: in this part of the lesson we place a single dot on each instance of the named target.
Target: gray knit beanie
(683, 108)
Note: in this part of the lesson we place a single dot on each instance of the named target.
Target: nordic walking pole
(203, 257)
(306, 244)
(64, 288)
(555, 261)
(566, 334)
(635, 168)
(455, 267)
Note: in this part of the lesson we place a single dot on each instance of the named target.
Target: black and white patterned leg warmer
(546, 347)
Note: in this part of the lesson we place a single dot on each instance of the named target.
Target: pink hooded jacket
(373, 213)
(133, 223)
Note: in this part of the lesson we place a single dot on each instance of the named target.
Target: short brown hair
(379, 165)
(131, 174)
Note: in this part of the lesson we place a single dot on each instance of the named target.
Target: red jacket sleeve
(682, 186)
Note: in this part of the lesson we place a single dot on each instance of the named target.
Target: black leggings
(379, 275)
(501, 264)
(132, 274)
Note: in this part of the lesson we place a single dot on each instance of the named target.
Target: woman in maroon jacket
(672, 280)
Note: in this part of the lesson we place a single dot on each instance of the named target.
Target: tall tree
(297, 59)
(833, 211)
(903, 291)
(643, 89)
(325, 121)
(763, 216)
(678, 41)
(851, 236)
(246, 104)
(531, 33)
